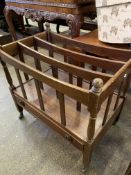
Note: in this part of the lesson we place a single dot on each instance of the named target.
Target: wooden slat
(70, 61)
(117, 53)
(66, 59)
(119, 94)
(54, 69)
(37, 63)
(81, 72)
(51, 52)
(110, 86)
(62, 108)
(79, 84)
(107, 64)
(70, 78)
(11, 48)
(37, 84)
(103, 129)
(107, 109)
(38, 67)
(21, 56)
(72, 91)
(127, 84)
(21, 83)
(28, 41)
(42, 35)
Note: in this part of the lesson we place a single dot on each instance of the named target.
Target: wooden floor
(77, 122)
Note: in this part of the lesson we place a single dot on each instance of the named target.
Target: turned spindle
(93, 106)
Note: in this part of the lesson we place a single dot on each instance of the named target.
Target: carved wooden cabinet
(72, 11)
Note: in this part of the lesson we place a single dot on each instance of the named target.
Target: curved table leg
(9, 18)
(74, 22)
(58, 28)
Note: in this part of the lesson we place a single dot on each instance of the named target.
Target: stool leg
(86, 157)
(19, 108)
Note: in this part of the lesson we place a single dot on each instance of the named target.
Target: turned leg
(74, 22)
(12, 88)
(9, 18)
(18, 107)
(87, 152)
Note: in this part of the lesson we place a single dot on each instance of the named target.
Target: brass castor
(21, 116)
